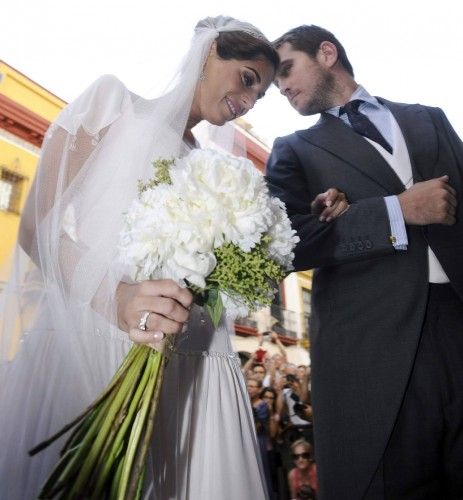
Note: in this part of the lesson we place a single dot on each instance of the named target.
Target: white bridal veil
(58, 336)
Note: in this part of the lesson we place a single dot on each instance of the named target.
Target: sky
(406, 51)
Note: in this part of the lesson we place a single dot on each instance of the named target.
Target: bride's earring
(202, 76)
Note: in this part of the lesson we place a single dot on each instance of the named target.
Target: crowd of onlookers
(280, 398)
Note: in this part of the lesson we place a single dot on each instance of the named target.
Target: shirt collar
(359, 93)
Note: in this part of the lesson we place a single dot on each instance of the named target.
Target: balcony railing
(246, 322)
(289, 325)
(295, 324)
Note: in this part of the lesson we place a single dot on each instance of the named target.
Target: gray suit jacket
(369, 300)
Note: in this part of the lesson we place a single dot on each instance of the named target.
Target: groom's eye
(284, 69)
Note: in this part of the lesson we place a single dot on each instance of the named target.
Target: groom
(387, 315)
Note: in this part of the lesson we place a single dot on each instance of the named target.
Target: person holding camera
(261, 414)
(296, 417)
(294, 398)
(302, 479)
(255, 366)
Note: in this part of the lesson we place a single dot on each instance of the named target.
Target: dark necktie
(362, 125)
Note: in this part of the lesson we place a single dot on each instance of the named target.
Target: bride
(69, 314)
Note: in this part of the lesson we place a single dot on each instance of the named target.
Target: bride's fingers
(164, 306)
(318, 204)
(141, 337)
(166, 302)
(167, 289)
(339, 210)
(323, 200)
(333, 209)
(332, 195)
(156, 322)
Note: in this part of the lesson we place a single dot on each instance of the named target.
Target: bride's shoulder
(107, 86)
(97, 107)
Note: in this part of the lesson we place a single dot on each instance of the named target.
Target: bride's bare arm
(42, 195)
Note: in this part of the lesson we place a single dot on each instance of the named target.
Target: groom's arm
(363, 232)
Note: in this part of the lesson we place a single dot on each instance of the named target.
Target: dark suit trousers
(424, 456)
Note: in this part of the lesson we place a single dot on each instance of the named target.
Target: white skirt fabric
(41, 390)
(205, 445)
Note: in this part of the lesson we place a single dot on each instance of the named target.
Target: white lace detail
(214, 354)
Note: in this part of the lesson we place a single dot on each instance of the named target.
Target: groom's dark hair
(308, 38)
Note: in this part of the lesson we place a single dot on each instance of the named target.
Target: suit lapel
(420, 137)
(332, 135)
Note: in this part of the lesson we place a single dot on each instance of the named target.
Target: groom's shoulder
(416, 110)
(405, 105)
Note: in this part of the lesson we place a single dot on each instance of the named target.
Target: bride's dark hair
(243, 46)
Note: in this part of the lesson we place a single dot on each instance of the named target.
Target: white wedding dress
(204, 447)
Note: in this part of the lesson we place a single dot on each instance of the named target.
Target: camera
(289, 379)
(299, 407)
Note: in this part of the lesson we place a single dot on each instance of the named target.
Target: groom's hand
(429, 202)
(329, 205)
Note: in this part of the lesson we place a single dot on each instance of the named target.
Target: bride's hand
(329, 205)
(167, 303)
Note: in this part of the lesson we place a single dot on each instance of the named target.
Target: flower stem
(158, 365)
(115, 440)
(138, 426)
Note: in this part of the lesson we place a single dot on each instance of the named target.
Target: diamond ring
(142, 325)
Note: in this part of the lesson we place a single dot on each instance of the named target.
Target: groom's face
(305, 81)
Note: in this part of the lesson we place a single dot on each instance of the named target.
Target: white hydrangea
(282, 237)
(171, 231)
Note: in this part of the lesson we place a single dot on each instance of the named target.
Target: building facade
(26, 110)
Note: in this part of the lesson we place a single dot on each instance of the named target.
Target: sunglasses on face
(305, 455)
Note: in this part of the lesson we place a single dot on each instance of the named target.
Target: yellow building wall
(16, 154)
(24, 163)
(29, 94)
(304, 280)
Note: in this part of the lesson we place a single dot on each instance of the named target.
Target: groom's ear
(327, 54)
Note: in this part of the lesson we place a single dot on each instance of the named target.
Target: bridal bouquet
(206, 221)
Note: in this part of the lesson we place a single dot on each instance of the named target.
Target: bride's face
(230, 88)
